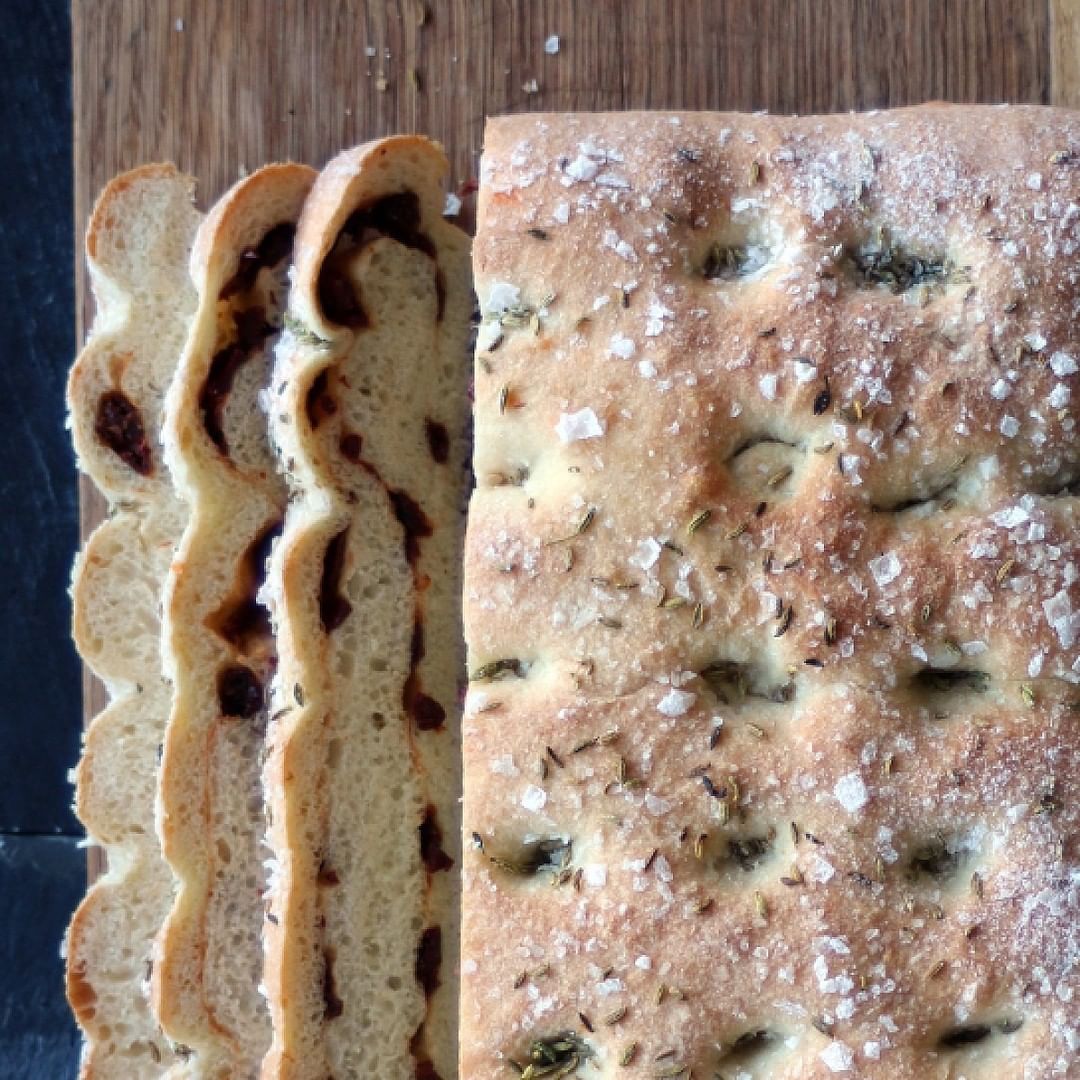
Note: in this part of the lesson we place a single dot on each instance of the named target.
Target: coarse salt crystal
(583, 424)
(561, 213)
(551, 46)
(872, 1049)
(501, 297)
(648, 551)
(595, 874)
(643, 962)
(621, 346)
(646, 369)
(469, 967)
(1063, 620)
(1009, 427)
(1059, 396)
(1000, 390)
(582, 168)
(804, 371)
(533, 798)
(838, 1057)
(885, 568)
(1035, 181)
(1010, 517)
(851, 793)
(767, 385)
(1062, 364)
(676, 702)
(1035, 341)
(452, 205)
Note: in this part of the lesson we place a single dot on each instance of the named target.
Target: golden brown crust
(753, 509)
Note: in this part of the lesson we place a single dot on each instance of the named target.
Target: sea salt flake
(582, 168)
(501, 297)
(595, 874)
(621, 346)
(1062, 364)
(1063, 620)
(533, 798)
(851, 793)
(838, 1057)
(676, 702)
(648, 551)
(885, 569)
(582, 424)
(1010, 517)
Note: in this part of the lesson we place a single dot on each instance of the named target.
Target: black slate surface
(42, 870)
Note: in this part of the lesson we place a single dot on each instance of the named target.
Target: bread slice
(369, 416)
(137, 247)
(219, 651)
(773, 598)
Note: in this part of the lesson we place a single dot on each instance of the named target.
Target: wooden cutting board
(222, 86)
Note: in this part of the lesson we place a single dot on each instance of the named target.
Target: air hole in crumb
(922, 500)
(746, 852)
(319, 404)
(334, 608)
(766, 466)
(378, 721)
(941, 859)
(542, 855)
(555, 1055)
(516, 476)
(948, 691)
(497, 669)
(747, 1050)
(733, 681)
(879, 261)
(964, 1036)
(951, 680)
(740, 251)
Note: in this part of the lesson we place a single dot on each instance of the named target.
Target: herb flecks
(881, 262)
(496, 668)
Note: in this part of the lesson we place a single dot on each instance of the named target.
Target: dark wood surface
(222, 86)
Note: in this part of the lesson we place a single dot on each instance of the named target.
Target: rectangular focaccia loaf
(772, 597)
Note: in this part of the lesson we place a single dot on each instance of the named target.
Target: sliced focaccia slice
(218, 647)
(369, 414)
(137, 247)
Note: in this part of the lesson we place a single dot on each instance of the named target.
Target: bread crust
(137, 245)
(752, 480)
(220, 656)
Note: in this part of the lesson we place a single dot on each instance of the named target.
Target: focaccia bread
(137, 248)
(369, 413)
(218, 647)
(772, 598)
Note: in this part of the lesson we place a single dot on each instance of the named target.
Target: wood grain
(1065, 53)
(221, 86)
